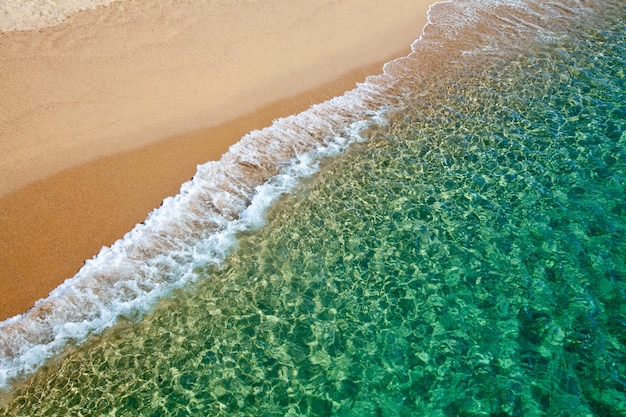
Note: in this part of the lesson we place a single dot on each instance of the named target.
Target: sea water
(447, 239)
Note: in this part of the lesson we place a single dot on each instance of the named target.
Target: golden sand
(108, 113)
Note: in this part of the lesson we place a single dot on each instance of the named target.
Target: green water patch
(468, 259)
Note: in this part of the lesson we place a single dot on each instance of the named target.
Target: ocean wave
(191, 230)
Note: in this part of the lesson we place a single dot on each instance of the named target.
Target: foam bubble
(37, 14)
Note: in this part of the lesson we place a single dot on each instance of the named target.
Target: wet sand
(108, 113)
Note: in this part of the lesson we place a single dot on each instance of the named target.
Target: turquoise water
(467, 258)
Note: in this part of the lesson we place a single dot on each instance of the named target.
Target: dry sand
(106, 114)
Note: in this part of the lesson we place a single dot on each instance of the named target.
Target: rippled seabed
(468, 259)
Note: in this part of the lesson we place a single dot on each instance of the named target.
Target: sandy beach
(106, 114)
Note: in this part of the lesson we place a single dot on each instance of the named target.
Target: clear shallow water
(468, 258)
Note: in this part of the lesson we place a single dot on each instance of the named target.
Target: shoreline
(107, 199)
(55, 222)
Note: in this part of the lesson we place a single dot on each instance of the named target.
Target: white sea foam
(191, 230)
(37, 14)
